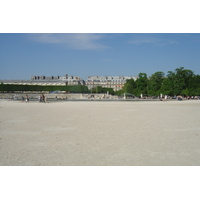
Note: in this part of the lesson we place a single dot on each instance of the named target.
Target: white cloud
(72, 40)
(138, 40)
(142, 40)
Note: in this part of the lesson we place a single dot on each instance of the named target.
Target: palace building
(115, 82)
(52, 80)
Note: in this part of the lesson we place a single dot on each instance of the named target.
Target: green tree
(194, 86)
(141, 84)
(119, 92)
(128, 88)
(99, 89)
(182, 79)
(155, 83)
(167, 87)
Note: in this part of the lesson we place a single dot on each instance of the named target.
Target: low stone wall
(70, 96)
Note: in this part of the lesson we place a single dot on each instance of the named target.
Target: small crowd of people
(42, 98)
(179, 98)
(26, 99)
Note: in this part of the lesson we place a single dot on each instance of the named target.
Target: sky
(23, 55)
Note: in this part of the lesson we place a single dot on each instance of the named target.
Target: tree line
(178, 82)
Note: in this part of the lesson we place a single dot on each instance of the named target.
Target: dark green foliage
(128, 88)
(180, 82)
(119, 93)
(110, 90)
(141, 84)
(155, 83)
(99, 89)
(194, 86)
(167, 87)
(49, 88)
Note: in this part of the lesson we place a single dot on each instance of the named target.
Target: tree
(99, 89)
(155, 82)
(194, 86)
(128, 88)
(167, 87)
(141, 84)
(182, 80)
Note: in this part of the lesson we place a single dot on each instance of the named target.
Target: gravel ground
(95, 133)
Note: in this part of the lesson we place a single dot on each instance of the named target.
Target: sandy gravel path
(100, 133)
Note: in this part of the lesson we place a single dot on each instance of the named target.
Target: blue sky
(23, 55)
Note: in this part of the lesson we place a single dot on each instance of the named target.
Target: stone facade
(115, 82)
(52, 80)
(58, 80)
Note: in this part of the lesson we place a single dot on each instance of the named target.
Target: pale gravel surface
(100, 133)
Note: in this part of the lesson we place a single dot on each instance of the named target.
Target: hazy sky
(23, 55)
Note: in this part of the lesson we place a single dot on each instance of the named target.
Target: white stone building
(58, 80)
(52, 80)
(115, 82)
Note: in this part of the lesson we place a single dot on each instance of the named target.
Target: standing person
(39, 99)
(43, 97)
(27, 99)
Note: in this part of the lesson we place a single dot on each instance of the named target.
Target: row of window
(106, 81)
(92, 83)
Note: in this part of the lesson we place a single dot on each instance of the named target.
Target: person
(179, 98)
(40, 98)
(22, 99)
(43, 98)
(27, 99)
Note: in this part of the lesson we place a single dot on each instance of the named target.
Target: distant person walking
(43, 98)
(40, 98)
(27, 99)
